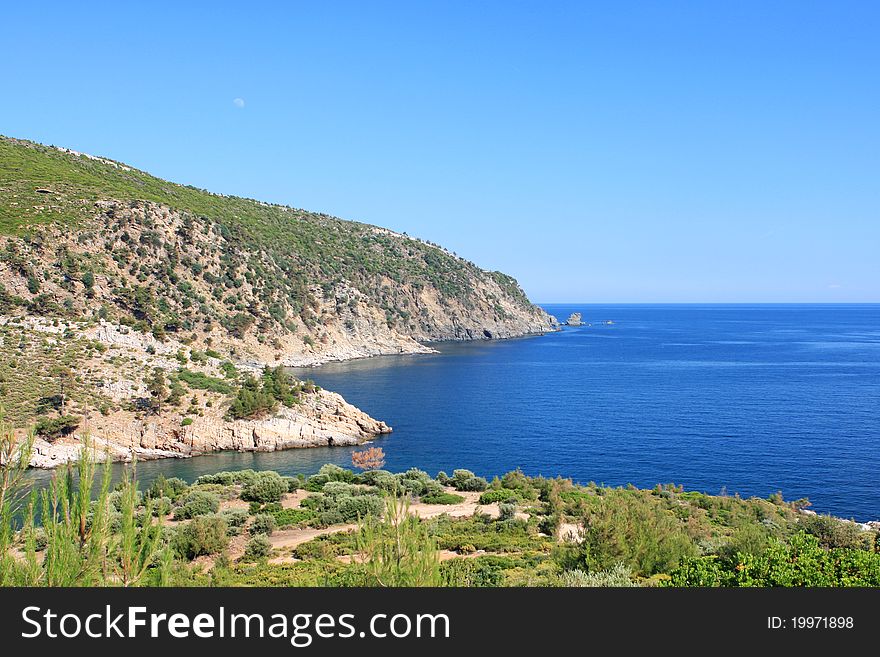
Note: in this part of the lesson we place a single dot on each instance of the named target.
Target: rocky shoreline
(323, 419)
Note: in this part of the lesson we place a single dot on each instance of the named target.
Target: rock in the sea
(573, 320)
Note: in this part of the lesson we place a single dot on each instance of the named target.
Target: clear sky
(598, 151)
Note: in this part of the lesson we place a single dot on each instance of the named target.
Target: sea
(735, 399)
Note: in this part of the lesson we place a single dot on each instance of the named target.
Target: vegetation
(80, 530)
(265, 487)
(53, 428)
(256, 398)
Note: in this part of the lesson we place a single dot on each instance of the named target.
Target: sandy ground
(570, 532)
(285, 540)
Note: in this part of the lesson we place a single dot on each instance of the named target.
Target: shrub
(201, 535)
(443, 479)
(329, 472)
(442, 498)
(335, 473)
(339, 488)
(53, 428)
(834, 533)
(636, 531)
(549, 524)
(291, 517)
(799, 562)
(381, 479)
(506, 511)
(266, 487)
(197, 503)
(263, 523)
(162, 487)
(412, 487)
(235, 518)
(359, 506)
(185, 422)
(161, 506)
(477, 572)
(617, 576)
(519, 482)
(500, 495)
(258, 547)
(465, 480)
(243, 477)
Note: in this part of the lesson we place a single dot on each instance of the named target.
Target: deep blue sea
(747, 398)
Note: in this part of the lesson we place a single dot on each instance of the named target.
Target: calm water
(753, 399)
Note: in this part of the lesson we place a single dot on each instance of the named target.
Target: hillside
(101, 237)
(96, 255)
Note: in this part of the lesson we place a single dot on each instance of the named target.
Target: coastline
(327, 420)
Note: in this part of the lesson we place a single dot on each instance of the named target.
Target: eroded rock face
(323, 419)
(573, 320)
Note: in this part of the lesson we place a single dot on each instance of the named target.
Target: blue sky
(598, 151)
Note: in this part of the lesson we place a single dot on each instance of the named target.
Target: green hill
(173, 255)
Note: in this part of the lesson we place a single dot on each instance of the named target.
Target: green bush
(834, 533)
(477, 572)
(381, 479)
(340, 488)
(235, 519)
(162, 487)
(359, 506)
(465, 480)
(442, 498)
(292, 517)
(266, 487)
(201, 381)
(53, 428)
(161, 506)
(801, 561)
(263, 523)
(618, 576)
(519, 482)
(633, 529)
(197, 503)
(200, 536)
(224, 478)
(506, 511)
(258, 547)
(500, 495)
(334, 472)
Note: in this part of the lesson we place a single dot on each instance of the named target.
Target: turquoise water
(751, 399)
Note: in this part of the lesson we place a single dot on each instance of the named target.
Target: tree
(398, 550)
(368, 459)
(157, 389)
(64, 375)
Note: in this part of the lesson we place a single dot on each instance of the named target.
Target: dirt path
(287, 539)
